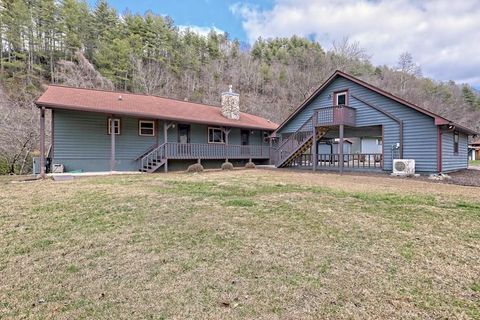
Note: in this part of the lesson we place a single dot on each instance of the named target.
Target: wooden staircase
(298, 143)
(153, 160)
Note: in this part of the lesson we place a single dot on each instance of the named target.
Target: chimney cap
(230, 91)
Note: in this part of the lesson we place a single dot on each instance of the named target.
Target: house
(346, 124)
(474, 149)
(149, 132)
(379, 126)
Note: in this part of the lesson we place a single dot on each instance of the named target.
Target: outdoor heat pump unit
(403, 167)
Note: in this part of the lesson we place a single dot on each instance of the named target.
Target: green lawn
(242, 244)
(474, 163)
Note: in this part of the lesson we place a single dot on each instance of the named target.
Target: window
(340, 98)
(216, 135)
(116, 126)
(146, 128)
(379, 141)
(456, 139)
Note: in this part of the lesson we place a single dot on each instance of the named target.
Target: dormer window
(340, 98)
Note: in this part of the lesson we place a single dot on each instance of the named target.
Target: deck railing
(332, 160)
(335, 115)
(215, 151)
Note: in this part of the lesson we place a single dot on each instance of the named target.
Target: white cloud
(442, 35)
(203, 31)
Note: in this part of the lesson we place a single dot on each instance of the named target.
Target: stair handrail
(288, 145)
(153, 155)
(147, 151)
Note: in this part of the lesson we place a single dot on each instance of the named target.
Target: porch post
(340, 146)
(270, 152)
(112, 143)
(42, 142)
(165, 140)
(314, 148)
(227, 132)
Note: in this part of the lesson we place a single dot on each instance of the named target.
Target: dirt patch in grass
(470, 177)
(239, 244)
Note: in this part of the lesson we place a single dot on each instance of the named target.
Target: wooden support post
(52, 136)
(112, 144)
(270, 151)
(42, 142)
(314, 149)
(341, 148)
(165, 140)
(199, 161)
(157, 132)
(227, 132)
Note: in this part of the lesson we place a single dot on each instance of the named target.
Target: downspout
(439, 149)
(42, 142)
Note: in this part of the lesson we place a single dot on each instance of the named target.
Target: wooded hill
(68, 42)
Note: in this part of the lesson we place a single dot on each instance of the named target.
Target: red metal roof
(121, 103)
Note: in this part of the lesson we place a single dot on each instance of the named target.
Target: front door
(245, 137)
(183, 133)
(245, 141)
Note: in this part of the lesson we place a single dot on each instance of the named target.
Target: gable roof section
(152, 107)
(439, 120)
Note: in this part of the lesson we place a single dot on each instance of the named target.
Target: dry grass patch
(239, 244)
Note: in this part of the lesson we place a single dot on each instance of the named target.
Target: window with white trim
(341, 98)
(116, 126)
(146, 128)
(216, 135)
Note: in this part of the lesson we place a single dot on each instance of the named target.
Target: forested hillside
(68, 42)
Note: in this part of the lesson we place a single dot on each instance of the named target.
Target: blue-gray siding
(450, 160)
(81, 141)
(420, 132)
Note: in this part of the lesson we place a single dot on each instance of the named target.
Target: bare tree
(408, 69)
(18, 132)
(149, 76)
(351, 50)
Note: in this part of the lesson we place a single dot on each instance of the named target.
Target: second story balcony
(334, 116)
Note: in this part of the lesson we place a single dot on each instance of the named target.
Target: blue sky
(442, 35)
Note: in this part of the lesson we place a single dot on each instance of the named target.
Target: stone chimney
(231, 104)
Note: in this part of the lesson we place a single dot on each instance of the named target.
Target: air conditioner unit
(58, 168)
(403, 167)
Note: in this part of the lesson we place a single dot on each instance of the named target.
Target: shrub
(250, 165)
(227, 166)
(197, 167)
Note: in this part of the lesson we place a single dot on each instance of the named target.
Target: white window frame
(342, 93)
(152, 122)
(115, 120)
(217, 129)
